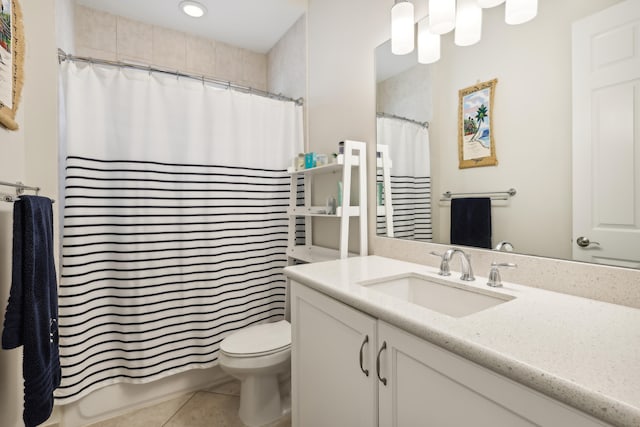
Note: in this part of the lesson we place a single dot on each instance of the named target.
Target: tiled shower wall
(102, 35)
(287, 62)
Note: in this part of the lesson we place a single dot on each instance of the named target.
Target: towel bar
(494, 195)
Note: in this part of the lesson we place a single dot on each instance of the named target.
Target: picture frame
(476, 145)
(12, 52)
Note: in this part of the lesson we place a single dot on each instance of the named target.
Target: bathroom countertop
(582, 352)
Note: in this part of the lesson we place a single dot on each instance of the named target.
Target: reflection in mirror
(535, 122)
(407, 143)
(403, 92)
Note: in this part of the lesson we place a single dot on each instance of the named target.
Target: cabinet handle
(384, 346)
(366, 340)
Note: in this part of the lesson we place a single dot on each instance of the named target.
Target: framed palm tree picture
(476, 146)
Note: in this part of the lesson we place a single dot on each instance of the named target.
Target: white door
(606, 136)
(333, 375)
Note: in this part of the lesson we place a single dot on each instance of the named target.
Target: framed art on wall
(476, 146)
(11, 61)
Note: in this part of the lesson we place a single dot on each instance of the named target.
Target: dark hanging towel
(32, 312)
(471, 222)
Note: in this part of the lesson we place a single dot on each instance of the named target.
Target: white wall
(65, 25)
(287, 62)
(28, 155)
(341, 102)
(341, 85)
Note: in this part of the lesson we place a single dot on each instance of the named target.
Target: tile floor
(215, 407)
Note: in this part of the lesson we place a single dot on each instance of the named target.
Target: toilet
(257, 356)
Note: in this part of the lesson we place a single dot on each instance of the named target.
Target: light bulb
(520, 11)
(402, 24)
(468, 23)
(428, 44)
(485, 4)
(442, 16)
(193, 9)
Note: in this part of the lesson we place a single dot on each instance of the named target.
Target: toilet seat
(258, 340)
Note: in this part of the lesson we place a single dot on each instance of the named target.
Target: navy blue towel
(471, 222)
(32, 312)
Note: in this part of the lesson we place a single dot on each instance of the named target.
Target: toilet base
(260, 401)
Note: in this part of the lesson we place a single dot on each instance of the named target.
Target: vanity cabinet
(330, 386)
(334, 345)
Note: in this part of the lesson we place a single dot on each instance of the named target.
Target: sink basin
(437, 294)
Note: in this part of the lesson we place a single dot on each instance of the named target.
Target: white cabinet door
(429, 386)
(329, 384)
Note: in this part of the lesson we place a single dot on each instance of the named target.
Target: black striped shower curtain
(408, 144)
(175, 225)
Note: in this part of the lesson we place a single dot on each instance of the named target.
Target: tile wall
(287, 62)
(102, 35)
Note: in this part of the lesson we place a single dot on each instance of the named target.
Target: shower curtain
(408, 144)
(175, 225)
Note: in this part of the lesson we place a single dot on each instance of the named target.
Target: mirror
(532, 124)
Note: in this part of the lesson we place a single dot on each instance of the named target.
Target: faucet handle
(494, 274)
(444, 264)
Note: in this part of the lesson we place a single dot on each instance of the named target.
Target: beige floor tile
(153, 416)
(208, 409)
(216, 407)
(232, 388)
(283, 422)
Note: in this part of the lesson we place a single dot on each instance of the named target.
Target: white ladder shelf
(354, 157)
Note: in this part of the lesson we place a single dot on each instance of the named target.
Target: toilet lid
(258, 339)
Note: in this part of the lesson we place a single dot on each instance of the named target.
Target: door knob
(584, 242)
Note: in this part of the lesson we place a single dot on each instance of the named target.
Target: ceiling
(256, 25)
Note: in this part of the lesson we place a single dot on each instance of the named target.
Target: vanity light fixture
(193, 8)
(445, 15)
(442, 16)
(468, 23)
(485, 4)
(428, 43)
(402, 27)
(520, 11)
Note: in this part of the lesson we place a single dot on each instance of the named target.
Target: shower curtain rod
(393, 116)
(63, 56)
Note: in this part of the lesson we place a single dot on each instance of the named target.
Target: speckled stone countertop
(581, 352)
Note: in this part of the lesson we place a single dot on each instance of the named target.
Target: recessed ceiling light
(193, 8)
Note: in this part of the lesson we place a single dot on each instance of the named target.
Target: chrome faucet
(504, 246)
(494, 274)
(465, 262)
